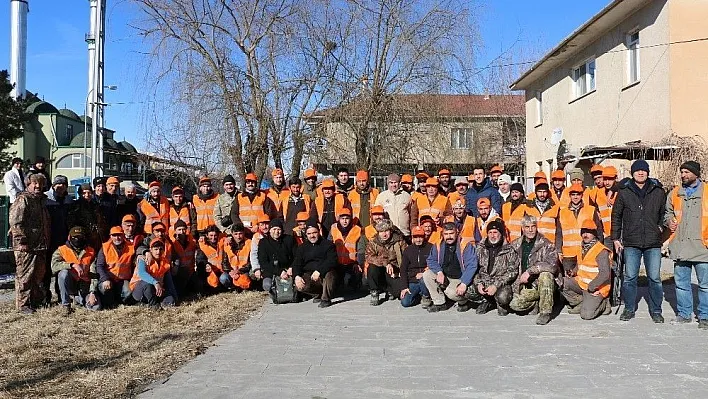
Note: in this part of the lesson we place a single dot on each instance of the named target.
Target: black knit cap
(542, 186)
(277, 222)
(517, 187)
(497, 225)
(692, 166)
(229, 179)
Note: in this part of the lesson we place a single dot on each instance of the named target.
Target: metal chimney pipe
(18, 46)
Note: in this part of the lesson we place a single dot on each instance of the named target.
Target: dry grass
(109, 354)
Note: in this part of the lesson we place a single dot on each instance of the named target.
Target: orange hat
(496, 168)
(483, 201)
(588, 224)
(302, 217)
(576, 188)
(540, 175)
(112, 180)
(277, 171)
(362, 175)
(329, 183)
(129, 218)
(155, 242)
(421, 175)
(417, 231)
(407, 179)
(444, 172)
(177, 189)
(116, 230)
(251, 177)
(558, 175)
(609, 172)
(205, 180)
(432, 181)
(344, 212)
(263, 218)
(596, 170)
(377, 210)
(310, 173)
(540, 181)
(155, 184)
(470, 177)
(159, 226)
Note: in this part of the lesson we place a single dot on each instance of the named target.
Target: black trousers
(380, 281)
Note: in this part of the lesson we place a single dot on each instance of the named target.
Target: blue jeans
(652, 264)
(684, 292)
(417, 289)
(225, 280)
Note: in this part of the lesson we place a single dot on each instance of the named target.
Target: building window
(72, 161)
(461, 138)
(539, 107)
(633, 57)
(69, 132)
(584, 78)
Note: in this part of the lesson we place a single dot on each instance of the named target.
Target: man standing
(571, 219)
(182, 210)
(396, 203)
(461, 187)
(596, 171)
(315, 267)
(39, 167)
(29, 226)
(295, 203)
(130, 202)
(154, 208)
(86, 213)
(482, 188)
(637, 223)
(452, 266)
(204, 202)
(545, 210)
(445, 185)
(494, 174)
(278, 193)
(513, 210)
(430, 203)
(504, 183)
(73, 263)
(407, 183)
(222, 208)
(486, 216)
(344, 184)
(109, 202)
(58, 204)
(539, 264)
(559, 194)
(413, 266)
(687, 219)
(250, 204)
(14, 180)
(310, 187)
(498, 269)
(362, 198)
(604, 197)
(328, 204)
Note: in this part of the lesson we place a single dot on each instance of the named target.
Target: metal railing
(4, 221)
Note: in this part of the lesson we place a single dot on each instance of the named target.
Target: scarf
(493, 250)
(586, 247)
(690, 190)
(542, 205)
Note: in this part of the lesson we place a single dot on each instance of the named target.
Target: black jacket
(320, 256)
(270, 250)
(414, 262)
(637, 214)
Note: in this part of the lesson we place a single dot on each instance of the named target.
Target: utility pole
(96, 41)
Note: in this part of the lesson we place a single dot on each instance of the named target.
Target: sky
(57, 61)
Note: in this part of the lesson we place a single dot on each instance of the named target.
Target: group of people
(479, 242)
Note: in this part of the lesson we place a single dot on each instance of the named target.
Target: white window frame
(633, 54)
(455, 134)
(584, 82)
(75, 159)
(539, 107)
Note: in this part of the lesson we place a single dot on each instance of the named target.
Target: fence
(4, 221)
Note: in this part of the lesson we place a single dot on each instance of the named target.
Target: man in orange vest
(421, 177)
(486, 215)
(128, 225)
(558, 192)
(295, 203)
(545, 210)
(350, 242)
(236, 262)
(444, 184)
(278, 193)
(597, 178)
(344, 183)
(587, 292)
(159, 231)
(299, 229)
(431, 203)
(362, 198)
(513, 210)
(461, 187)
(181, 210)
(204, 202)
(604, 199)
(433, 234)
(377, 214)
(538, 177)
(114, 265)
(328, 204)
(152, 280)
(154, 208)
(184, 247)
(407, 183)
(464, 222)
(310, 187)
(251, 203)
(209, 260)
(77, 278)
(570, 221)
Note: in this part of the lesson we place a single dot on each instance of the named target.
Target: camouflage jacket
(381, 254)
(504, 270)
(30, 222)
(543, 258)
(87, 214)
(58, 263)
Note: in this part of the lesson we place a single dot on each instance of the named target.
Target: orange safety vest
(186, 254)
(135, 241)
(205, 211)
(338, 204)
(120, 266)
(70, 256)
(286, 203)
(588, 269)
(467, 231)
(481, 225)
(604, 207)
(546, 221)
(237, 260)
(677, 203)
(215, 257)
(355, 200)
(437, 207)
(155, 269)
(183, 215)
(278, 198)
(249, 211)
(564, 199)
(570, 226)
(152, 215)
(435, 237)
(512, 220)
(370, 232)
(454, 196)
(346, 246)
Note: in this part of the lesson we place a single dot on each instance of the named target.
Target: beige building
(636, 71)
(427, 132)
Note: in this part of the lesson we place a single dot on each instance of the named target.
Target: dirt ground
(109, 354)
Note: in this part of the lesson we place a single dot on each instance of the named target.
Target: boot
(543, 319)
(425, 302)
(502, 311)
(484, 307)
(374, 298)
(535, 310)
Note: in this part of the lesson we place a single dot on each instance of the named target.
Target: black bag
(283, 290)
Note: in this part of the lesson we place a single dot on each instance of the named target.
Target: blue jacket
(466, 257)
(487, 191)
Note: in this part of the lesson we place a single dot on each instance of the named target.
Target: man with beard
(559, 193)
(75, 275)
(494, 174)
(222, 208)
(250, 204)
(295, 203)
(85, 213)
(310, 187)
(482, 188)
(384, 255)
(109, 202)
(362, 198)
(498, 269)
(465, 223)
(114, 265)
(570, 220)
(181, 210)
(204, 202)
(184, 266)
(460, 193)
(351, 245)
(486, 216)
(396, 203)
(154, 208)
(278, 193)
(413, 267)
(129, 206)
(445, 187)
(236, 264)
(542, 207)
(58, 204)
(432, 203)
(513, 210)
(315, 267)
(276, 253)
(328, 204)
(129, 226)
(604, 200)
(344, 184)
(407, 183)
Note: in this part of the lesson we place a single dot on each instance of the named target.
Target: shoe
(436, 308)
(26, 310)
(543, 319)
(374, 299)
(316, 299)
(535, 310)
(425, 302)
(66, 310)
(502, 312)
(483, 307)
(627, 315)
(573, 310)
(657, 318)
(324, 304)
(703, 324)
(681, 320)
(464, 307)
